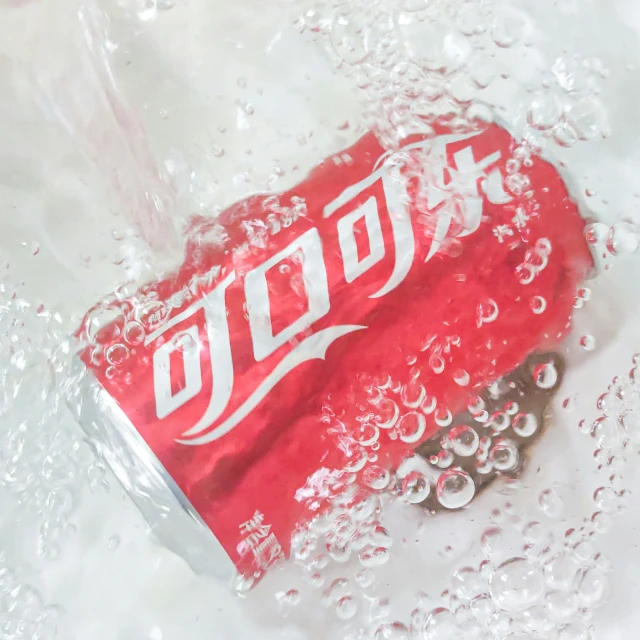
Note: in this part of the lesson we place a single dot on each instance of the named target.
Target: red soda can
(356, 313)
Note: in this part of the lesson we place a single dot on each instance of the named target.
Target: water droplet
(562, 605)
(565, 135)
(538, 305)
(487, 312)
(134, 333)
(339, 588)
(463, 440)
(588, 342)
(346, 608)
(560, 572)
(551, 504)
(516, 585)
(593, 588)
(364, 578)
(525, 425)
(117, 354)
(413, 394)
(493, 542)
(605, 499)
(545, 109)
(415, 488)
(387, 413)
(461, 377)
(622, 239)
(440, 625)
(499, 421)
(537, 621)
(411, 427)
(376, 477)
(467, 583)
(291, 598)
(504, 455)
(507, 29)
(482, 608)
(455, 489)
(596, 232)
(374, 556)
(545, 375)
(392, 631)
(436, 362)
(443, 417)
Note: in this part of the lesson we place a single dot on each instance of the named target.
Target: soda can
(345, 321)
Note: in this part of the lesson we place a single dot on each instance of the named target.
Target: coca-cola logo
(470, 176)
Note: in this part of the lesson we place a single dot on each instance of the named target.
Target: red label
(265, 358)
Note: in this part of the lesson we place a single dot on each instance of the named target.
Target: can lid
(173, 519)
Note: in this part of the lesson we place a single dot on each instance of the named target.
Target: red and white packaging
(226, 396)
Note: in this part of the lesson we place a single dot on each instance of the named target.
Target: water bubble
(346, 608)
(565, 135)
(117, 354)
(545, 109)
(443, 417)
(103, 323)
(562, 605)
(133, 333)
(482, 608)
(596, 232)
(516, 585)
(560, 571)
(593, 588)
(455, 489)
(392, 631)
(551, 504)
(387, 413)
(461, 377)
(606, 433)
(525, 273)
(476, 405)
(349, 39)
(364, 578)
(463, 440)
(545, 375)
(291, 598)
(415, 488)
(500, 623)
(538, 305)
(440, 625)
(504, 455)
(507, 29)
(436, 362)
(525, 425)
(374, 556)
(605, 499)
(411, 427)
(537, 620)
(376, 477)
(339, 588)
(467, 583)
(499, 421)
(413, 395)
(493, 542)
(587, 117)
(584, 551)
(588, 342)
(622, 239)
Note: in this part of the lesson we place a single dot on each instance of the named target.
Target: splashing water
(510, 521)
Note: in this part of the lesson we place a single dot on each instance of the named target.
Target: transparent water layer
(123, 119)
